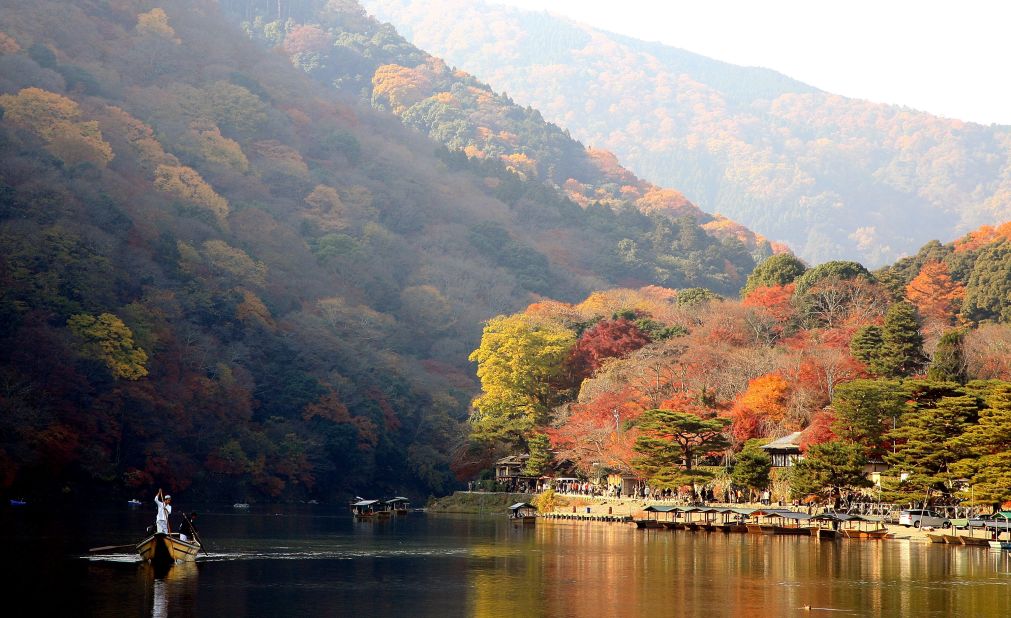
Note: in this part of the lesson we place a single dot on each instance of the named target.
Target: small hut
(785, 451)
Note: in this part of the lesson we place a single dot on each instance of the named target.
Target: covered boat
(162, 549)
(522, 512)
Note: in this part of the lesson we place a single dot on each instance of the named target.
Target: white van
(922, 518)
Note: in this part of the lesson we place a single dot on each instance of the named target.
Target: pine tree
(866, 347)
(540, 455)
(902, 344)
(829, 467)
(949, 360)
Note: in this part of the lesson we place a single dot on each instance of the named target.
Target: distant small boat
(162, 549)
(935, 538)
(368, 509)
(313, 502)
(134, 502)
(523, 513)
(1005, 545)
(16, 502)
(240, 505)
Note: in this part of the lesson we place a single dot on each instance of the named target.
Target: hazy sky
(948, 58)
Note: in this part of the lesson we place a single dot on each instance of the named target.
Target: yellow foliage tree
(235, 262)
(519, 363)
(54, 118)
(327, 208)
(186, 184)
(214, 147)
(400, 86)
(108, 339)
(155, 22)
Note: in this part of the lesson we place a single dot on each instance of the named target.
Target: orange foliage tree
(935, 293)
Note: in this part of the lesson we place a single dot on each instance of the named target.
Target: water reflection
(173, 589)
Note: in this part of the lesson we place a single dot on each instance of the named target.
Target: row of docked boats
(969, 540)
(380, 509)
(761, 521)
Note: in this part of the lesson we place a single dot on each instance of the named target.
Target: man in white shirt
(164, 510)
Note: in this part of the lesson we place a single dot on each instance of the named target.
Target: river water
(314, 561)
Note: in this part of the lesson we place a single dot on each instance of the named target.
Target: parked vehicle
(999, 521)
(918, 518)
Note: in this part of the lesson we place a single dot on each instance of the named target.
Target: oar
(95, 550)
(193, 529)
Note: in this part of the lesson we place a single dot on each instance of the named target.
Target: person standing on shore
(161, 520)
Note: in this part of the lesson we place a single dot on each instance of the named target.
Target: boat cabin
(398, 505)
(523, 511)
(367, 508)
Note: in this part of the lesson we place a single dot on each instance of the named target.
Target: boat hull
(165, 549)
(968, 540)
(865, 534)
(935, 538)
(1006, 545)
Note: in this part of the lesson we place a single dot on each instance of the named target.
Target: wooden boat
(162, 549)
(823, 534)
(854, 533)
(977, 542)
(369, 509)
(523, 513)
(399, 505)
(935, 538)
(754, 528)
(1005, 545)
(951, 539)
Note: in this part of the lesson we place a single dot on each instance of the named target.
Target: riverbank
(477, 502)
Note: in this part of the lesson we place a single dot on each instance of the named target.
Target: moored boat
(1006, 545)
(162, 549)
(935, 538)
(974, 541)
(523, 513)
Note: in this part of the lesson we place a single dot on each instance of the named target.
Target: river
(315, 561)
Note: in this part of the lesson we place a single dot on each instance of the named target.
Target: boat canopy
(661, 508)
(365, 503)
(397, 499)
(522, 505)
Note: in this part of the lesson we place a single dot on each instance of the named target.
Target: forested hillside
(221, 276)
(834, 178)
(910, 364)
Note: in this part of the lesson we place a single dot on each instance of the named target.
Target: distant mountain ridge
(832, 177)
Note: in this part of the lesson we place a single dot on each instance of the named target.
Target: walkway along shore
(627, 510)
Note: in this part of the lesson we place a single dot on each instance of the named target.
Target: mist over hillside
(835, 178)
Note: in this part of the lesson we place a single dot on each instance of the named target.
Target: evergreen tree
(988, 293)
(829, 468)
(752, 467)
(866, 347)
(865, 410)
(902, 345)
(779, 269)
(988, 466)
(927, 442)
(949, 360)
(672, 441)
(540, 455)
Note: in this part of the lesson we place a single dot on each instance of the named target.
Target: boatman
(161, 520)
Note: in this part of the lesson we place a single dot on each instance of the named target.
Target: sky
(950, 58)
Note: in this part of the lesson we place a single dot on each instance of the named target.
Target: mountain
(833, 177)
(220, 275)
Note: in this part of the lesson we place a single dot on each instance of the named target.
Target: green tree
(694, 296)
(902, 344)
(829, 468)
(108, 339)
(670, 444)
(520, 363)
(988, 292)
(948, 363)
(752, 467)
(927, 435)
(831, 270)
(864, 411)
(866, 347)
(779, 269)
(540, 455)
(989, 443)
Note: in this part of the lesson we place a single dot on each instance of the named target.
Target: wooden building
(785, 451)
